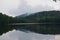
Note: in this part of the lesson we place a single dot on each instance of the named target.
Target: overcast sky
(18, 7)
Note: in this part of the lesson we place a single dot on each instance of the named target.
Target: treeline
(39, 17)
(5, 19)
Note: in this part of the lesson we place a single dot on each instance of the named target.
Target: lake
(24, 32)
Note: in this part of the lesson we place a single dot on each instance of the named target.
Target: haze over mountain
(23, 15)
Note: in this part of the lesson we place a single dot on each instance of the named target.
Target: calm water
(22, 34)
(19, 35)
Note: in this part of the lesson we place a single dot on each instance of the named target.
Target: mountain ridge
(44, 16)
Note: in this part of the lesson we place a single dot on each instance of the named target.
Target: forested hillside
(43, 17)
(38, 17)
(5, 19)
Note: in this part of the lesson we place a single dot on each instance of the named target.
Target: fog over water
(19, 35)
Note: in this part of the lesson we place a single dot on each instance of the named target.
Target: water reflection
(19, 35)
(42, 29)
(30, 32)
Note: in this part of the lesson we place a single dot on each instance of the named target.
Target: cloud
(18, 7)
(7, 5)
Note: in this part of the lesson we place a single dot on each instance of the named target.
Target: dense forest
(5, 19)
(38, 17)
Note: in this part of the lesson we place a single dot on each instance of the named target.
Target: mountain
(44, 13)
(45, 16)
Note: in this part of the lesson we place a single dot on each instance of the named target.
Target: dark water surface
(37, 28)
